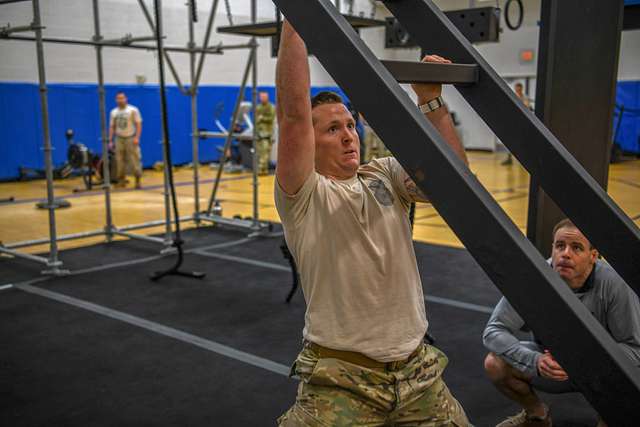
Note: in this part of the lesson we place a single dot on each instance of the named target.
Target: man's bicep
(623, 314)
(403, 183)
(409, 188)
(296, 151)
(414, 192)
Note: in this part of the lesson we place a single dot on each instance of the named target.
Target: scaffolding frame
(53, 265)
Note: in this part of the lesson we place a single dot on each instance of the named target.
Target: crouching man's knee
(496, 369)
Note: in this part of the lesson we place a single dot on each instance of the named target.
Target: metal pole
(5, 31)
(193, 93)
(54, 263)
(106, 171)
(205, 43)
(213, 50)
(35, 258)
(129, 39)
(254, 103)
(168, 239)
(230, 133)
(147, 15)
(64, 237)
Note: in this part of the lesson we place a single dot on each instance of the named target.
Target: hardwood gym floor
(20, 220)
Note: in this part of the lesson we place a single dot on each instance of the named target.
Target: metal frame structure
(601, 370)
(54, 265)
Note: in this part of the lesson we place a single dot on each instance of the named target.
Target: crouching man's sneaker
(524, 420)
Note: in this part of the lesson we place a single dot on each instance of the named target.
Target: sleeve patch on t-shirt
(381, 192)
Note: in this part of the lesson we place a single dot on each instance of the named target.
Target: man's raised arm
(296, 147)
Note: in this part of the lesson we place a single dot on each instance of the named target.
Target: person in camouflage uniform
(265, 116)
(337, 393)
(364, 361)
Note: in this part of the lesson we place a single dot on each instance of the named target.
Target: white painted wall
(74, 19)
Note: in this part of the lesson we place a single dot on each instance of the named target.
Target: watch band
(432, 105)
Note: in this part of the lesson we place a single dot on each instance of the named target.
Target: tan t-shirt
(352, 243)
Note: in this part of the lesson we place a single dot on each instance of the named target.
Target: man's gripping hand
(428, 91)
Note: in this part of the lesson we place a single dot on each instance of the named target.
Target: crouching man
(518, 368)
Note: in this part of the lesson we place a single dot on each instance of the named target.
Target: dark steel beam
(11, 1)
(559, 174)
(588, 353)
(581, 122)
(424, 72)
(631, 17)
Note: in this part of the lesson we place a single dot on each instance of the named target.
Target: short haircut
(120, 93)
(519, 84)
(325, 97)
(565, 223)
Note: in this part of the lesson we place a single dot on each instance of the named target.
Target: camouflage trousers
(127, 157)
(333, 392)
(263, 147)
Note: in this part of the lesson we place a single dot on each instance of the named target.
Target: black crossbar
(588, 353)
(560, 175)
(12, 1)
(631, 17)
(425, 72)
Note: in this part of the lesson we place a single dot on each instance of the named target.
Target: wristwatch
(432, 105)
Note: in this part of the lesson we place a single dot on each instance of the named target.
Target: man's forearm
(503, 343)
(499, 338)
(632, 352)
(441, 120)
(292, 76)
(295, 143)
(138, 130)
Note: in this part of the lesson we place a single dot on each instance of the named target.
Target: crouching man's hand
(549, 368)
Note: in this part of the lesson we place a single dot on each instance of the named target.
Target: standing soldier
(374, 147)
(126, 125)
(265, 115)
(519, 89)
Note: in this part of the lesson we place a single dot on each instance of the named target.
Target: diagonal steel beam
(591, 357)
(560, 175)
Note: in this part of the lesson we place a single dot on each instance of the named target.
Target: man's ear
(594, 255)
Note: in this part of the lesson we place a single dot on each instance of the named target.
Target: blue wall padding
(628, 95)
(76, 106)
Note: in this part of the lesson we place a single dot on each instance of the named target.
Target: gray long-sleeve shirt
(606, 296)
